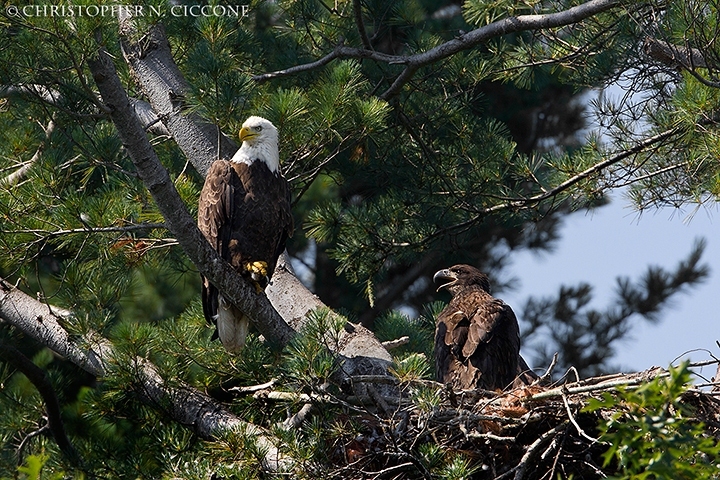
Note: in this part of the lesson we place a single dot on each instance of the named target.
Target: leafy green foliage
(652, 433)
(33, 467)
(310, 361)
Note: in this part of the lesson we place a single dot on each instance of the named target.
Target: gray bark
(465, 41)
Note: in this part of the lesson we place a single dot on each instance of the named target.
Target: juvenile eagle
(477, 339)
(244, 212)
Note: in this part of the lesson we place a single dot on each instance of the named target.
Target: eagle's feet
(258, 273)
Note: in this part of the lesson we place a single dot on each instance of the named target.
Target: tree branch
(299, 68)
(184, 404)
(70, 231)
(42, 323)
(156, 71)
(461, 43)
(674, 55)
(21, 172)
(522, 203)
(53, 97)
(357, 11)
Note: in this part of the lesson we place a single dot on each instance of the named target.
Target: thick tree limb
(461, 43)
(187, 406)
(42, 92)
(360, 352)
(148, 118)
(42, 323)
(49, 96)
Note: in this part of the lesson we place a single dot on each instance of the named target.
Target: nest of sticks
(534, 432)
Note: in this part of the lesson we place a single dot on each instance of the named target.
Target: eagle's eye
(259, 128)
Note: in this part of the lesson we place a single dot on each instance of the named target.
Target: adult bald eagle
(477, 338)
(244, 212)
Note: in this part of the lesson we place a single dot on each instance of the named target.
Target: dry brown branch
(533, 449)
(529, 433)
(673, 55)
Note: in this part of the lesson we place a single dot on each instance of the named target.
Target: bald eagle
(244, 212)
(477, 338)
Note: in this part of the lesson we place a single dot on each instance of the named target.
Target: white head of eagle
(260, 142)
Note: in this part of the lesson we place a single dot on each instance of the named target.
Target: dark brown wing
(477, 342)
(217, 205)
(216, 209)
(493, 345)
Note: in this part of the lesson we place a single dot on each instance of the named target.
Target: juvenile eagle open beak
(247, 134)
(446, 275)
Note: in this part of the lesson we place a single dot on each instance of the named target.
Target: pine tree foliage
(405, 152)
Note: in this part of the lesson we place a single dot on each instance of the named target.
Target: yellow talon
(260, 268)
(258, 274)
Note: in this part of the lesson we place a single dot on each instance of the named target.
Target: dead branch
(621, 380)
(253, 388)
(533, 449)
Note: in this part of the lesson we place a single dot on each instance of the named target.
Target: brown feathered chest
(244, 212)
(477, 341)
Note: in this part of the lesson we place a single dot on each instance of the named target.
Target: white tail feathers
(232, 326)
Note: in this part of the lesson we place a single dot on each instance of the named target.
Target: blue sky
(615, 240)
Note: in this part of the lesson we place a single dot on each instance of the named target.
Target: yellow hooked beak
(247, 134)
